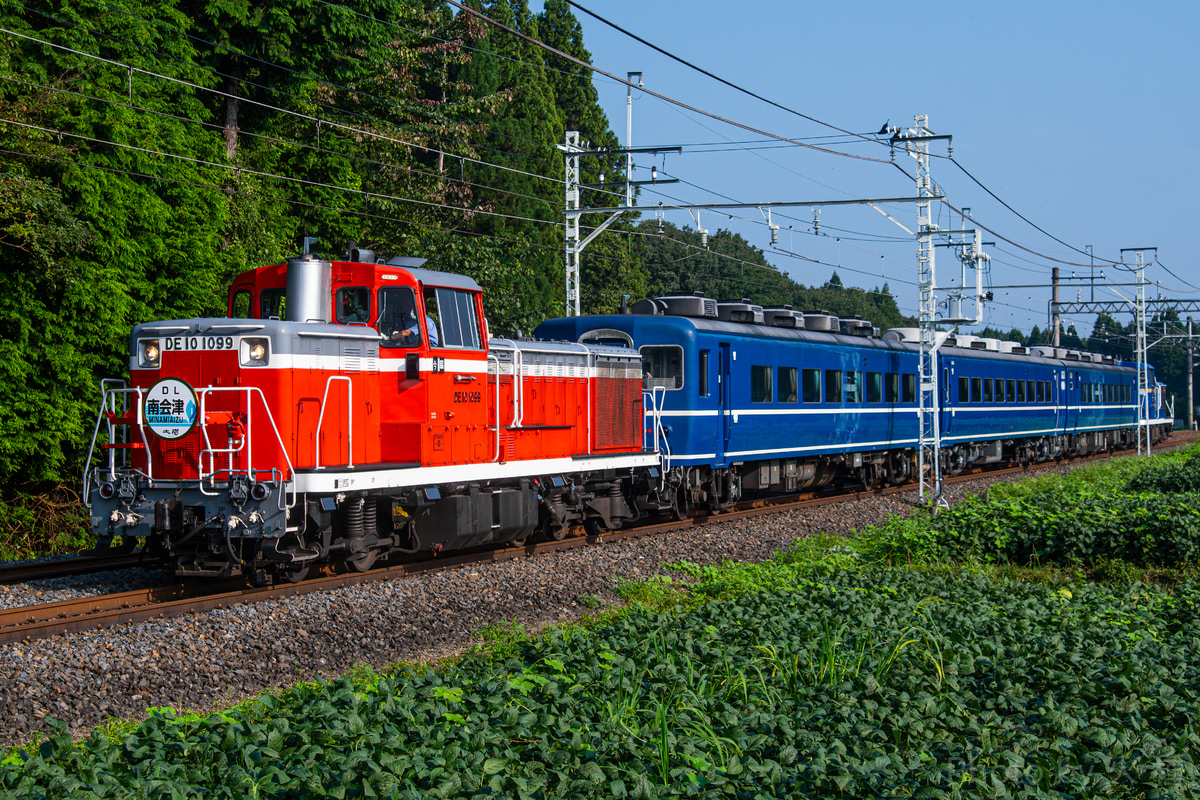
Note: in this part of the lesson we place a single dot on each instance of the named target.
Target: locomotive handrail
(102, 415)
(349, 419)
(518, 387)
(247, 441)
(660, 444)
(496, 407)
(213, 452)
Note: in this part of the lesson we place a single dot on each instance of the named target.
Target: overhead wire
(241, 79)
(787, 140)
(653, 93)
(286, 178)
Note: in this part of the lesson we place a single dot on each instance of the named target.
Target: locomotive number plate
(188, 343)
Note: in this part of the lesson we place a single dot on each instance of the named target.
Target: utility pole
(1191, 370)
(573, 244)
(1054, 299)
(929, 449)
(1145, 390)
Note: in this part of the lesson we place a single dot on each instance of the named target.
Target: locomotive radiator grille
(618, 405)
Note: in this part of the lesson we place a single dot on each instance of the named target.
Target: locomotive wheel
(363, 562)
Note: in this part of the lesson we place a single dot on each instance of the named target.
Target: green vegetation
(1121, 517)
(818, 673)
(155, 150)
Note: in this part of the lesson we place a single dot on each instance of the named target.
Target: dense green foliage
(153, 151)
(852, 684)
(1141, 513)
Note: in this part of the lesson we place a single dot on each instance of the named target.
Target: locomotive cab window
(760, 384)
(457, 319)
(240, 307)
(353, 304)
(273, 303)
(662, 367)
(788, 388)
(454, 321)
(398, 323)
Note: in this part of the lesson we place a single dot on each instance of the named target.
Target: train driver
(398, 319)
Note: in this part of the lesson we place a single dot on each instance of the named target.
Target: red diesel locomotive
(347, 409)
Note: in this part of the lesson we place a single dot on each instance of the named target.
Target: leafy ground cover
(820, 673)
(1117, 517)
(855, 683)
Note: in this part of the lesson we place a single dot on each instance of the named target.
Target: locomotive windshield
(398, 326)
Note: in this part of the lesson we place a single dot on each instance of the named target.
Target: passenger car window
(662, 367)
(789, 389)
(910, 387)
(833, 386)
(812, 385)
(853, 387)
(874, 387)
(892, 388)
(760, 384)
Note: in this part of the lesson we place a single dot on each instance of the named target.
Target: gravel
(207, 660)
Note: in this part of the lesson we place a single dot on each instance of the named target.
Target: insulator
(774, 234)
(704, 238)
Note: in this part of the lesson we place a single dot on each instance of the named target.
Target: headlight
(255, 352)
(149, 354)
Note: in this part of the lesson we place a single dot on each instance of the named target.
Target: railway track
(76, 565)
(41, 621)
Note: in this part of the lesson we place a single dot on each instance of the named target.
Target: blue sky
(1078, 115)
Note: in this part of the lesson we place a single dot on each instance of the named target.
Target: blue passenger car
(741, 398)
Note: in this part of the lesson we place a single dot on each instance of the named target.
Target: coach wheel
(678, 506)
(870, 477)
(363, 562)
(899, 468)
(295, 574)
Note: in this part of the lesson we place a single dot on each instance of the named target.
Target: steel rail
(37, 622)
(78, 565)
